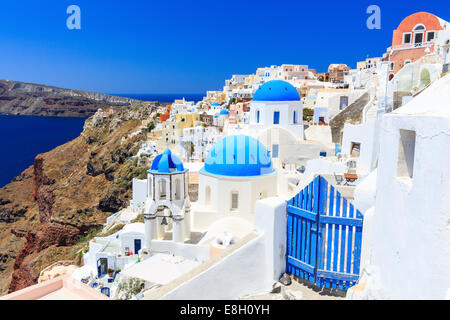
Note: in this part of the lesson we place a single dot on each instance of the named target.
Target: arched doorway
(177, 189)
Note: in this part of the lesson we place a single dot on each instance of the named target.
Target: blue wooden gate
(324, 233)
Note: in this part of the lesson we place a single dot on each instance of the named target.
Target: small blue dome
(238, 156)
(224, 112)
(276, 90)
(215, 104)
(167, 163)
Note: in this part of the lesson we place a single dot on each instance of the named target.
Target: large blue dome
(167, 162)
(276, 90)
(238, 156)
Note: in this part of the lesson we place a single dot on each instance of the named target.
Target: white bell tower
(167, 200)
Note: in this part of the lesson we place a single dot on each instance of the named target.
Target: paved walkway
(296, 291)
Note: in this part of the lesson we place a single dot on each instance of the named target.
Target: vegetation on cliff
(57, 205)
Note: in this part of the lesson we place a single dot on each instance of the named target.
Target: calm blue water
(164, 97)
(24, 137)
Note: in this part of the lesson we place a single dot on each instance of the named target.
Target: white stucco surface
(319, 133)
(249, 269)
(237, 274)
(160, 268)
(365, 192)
(236, 226)
(410, 234)
(139, 192)
(367, 134)
(270, 218)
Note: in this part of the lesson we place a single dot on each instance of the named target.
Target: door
(102, 266)
(276, 117)
(137, 245)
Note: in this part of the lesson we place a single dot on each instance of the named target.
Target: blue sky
(146, 46)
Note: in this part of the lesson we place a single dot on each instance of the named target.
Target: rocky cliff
(18, 98)
(47, 213)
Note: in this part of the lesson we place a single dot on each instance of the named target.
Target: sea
(24, 137)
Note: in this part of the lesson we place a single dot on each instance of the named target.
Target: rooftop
(276, 90)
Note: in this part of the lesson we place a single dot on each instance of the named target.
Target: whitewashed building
(406, 235)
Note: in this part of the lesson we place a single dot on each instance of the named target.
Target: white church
(276, 120)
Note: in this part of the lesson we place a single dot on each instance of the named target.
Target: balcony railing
(411, 46)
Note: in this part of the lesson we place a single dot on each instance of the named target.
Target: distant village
(290, 184)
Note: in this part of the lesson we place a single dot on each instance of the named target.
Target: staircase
(371, 110)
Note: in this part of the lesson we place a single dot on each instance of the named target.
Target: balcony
(411, 46)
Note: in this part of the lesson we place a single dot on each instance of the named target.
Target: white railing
(411, 46)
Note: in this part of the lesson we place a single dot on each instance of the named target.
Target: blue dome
(215, 104)
(224, 112)
(238, 156)
(276, 90)
(167, 163)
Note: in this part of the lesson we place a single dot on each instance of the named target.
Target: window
(407, 61)
(355, 149)
(430, 36)
(257, 116)
(234, 200)
(392, 66)
(275, 151)
(419, 27)
(343, 102)
(418, 38)
(406, 149)
(276, 117)
(294, 121)
(406, 38)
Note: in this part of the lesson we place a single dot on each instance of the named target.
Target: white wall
(410, 245)
(127, 240)
(286, 119)
(367, 134)
(139, 192)
(320, 166)
(238, 274)
(250, 269)
(221, 187)
(270, 218)
(185, 250)
(319, 133)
